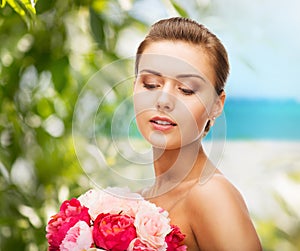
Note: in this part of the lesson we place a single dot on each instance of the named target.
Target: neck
(176, 166)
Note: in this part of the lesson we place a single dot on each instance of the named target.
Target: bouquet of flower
(98, 220)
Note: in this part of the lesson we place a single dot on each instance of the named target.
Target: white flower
(110, 200)
(123, 192)
(152, 225)
(90, 197)
(78, 238)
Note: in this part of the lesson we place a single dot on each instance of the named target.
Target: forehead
(174, 58)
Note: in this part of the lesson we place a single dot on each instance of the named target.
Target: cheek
(140, 122)
(193, 121)
(142, 101)
(201, 121)
(200, 114)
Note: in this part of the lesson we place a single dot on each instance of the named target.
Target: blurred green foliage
(25, 8)
(45, 61)
(48, 51)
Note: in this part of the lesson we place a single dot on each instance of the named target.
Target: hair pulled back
(187, 30)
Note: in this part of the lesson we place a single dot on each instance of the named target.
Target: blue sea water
(262, 119)
(255, 119)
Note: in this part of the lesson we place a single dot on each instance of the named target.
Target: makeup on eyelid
(186, 90)
(153, 80)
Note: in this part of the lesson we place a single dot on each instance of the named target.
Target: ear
(217, 107)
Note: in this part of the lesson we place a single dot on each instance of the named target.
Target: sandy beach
(265, 172)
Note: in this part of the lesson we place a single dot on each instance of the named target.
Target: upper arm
(220, 219)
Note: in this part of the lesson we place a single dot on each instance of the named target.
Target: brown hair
(187, 30)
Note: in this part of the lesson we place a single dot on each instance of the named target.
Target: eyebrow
(152, 72)
(189, 75)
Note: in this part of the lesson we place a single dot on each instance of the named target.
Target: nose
(165, 101)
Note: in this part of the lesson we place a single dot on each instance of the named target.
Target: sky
(262, 38)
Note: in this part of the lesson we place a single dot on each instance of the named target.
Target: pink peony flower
(138, 245)
(91, 197)
(70, 213)
(78, 238)
(100, 221)
(175, 239)
(106, 201)
(113, 232)
(152, 225)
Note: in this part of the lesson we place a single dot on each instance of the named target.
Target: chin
(163, 142)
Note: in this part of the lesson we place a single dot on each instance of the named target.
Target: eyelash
(186, 92)
(149, 86)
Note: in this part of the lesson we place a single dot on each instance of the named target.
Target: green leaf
(44, 108)
(99, 5)
(59, 70)
(22, 7)
(97, 27)
(179, 9)
(3, 3)
(25, 8)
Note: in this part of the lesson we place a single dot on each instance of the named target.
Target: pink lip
(162, 127)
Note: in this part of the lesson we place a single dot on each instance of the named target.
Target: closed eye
(186, 91)
(149, 86)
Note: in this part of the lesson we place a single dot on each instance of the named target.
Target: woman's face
(173, 94)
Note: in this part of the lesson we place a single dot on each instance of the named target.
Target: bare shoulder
(219, 217)
(218, 191)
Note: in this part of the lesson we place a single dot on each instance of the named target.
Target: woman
(181, 70)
